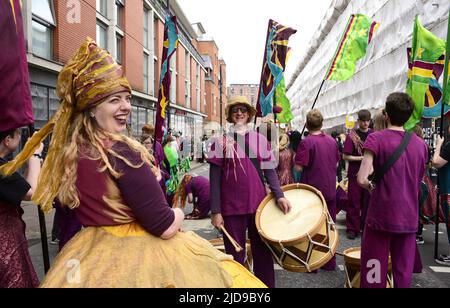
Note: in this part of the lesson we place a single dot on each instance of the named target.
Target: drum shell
(301, 244)
(353, 269)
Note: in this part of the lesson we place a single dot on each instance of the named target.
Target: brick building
(215, 79)
(248, 90)
(132, 31)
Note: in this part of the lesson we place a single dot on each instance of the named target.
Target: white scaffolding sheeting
(381, 72)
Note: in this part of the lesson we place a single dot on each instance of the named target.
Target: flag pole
(168, 67)
(258, 103)
(315, 101)
(441, 133)
(42, 225)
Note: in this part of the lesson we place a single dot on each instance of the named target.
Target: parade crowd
(119, 200)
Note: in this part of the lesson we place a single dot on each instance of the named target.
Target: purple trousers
(263, 265)
(332, 209)
(358, 201)
(376, 246)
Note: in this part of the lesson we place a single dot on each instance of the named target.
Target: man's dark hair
(7, 133)
(399, 108)
(364, 115)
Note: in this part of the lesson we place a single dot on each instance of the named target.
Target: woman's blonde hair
(89, 140)
(179, 200)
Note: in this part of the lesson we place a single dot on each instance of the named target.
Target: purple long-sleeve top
(134, 196)
(236, 185)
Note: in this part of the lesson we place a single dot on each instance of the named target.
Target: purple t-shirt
(242, 189)
(319, 155)
(199, 187)
(394, 204)
(350, 149)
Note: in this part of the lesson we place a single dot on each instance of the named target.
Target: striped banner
(169, 47)
(273, 66)
(424, 72)
(353, 45)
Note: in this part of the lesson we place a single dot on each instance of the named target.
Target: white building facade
(381, 72)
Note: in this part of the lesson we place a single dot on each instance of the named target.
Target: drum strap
(253, 158)
(379, 174)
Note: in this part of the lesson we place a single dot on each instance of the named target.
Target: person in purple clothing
(317, 158)
(393, 212)
(155, 149)
(195, 190)
(16, 268)
(240, 163)
(358, 198)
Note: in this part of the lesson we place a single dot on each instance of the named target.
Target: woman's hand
(217, 221)
(285, 205)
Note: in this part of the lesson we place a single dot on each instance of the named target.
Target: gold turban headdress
(88, 78)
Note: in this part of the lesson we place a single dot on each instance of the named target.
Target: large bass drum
(305, 239)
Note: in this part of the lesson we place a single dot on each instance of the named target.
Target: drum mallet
(237, 247)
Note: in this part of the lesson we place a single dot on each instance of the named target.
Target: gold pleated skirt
(127, 256)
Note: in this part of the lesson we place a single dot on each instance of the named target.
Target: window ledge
(44, 63)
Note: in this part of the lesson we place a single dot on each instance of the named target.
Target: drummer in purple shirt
(237, 188)
(392, 217)
(317, 158)
(358, 198)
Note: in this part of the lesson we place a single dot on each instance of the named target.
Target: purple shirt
(350, 149)
(319, 155)
(241, 188)
(199, 187)
(394, 204)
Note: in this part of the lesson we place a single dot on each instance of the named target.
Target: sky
(239, 28)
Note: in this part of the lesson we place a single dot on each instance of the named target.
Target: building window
(146, 28)
(119, 43)
(155, 37)
(198, 96)
(134, 121)
(146, 73)
(142, 119)
(101, 6)
(188, 80)
(150, 116)
(42, 41)
(101, 34)
(119, 8)
(43, 23)
(155, 79)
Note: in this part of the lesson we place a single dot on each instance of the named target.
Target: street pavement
(433, 276)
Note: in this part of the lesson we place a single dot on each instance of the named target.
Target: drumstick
(237, 247)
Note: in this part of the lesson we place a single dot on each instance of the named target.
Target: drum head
(352, 256)
(307, 216)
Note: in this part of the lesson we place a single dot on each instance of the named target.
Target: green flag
(447, 92)
(426, 50)
(281, 100)
(352, 47)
